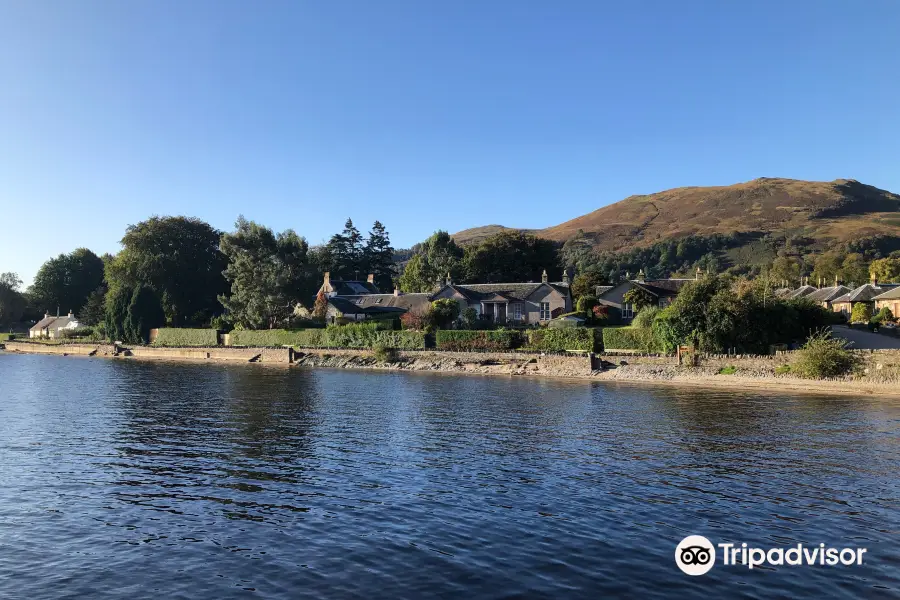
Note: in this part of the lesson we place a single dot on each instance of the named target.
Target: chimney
(397, 291)
(449, 279)
(627, 275)
(566, 277)
(836, 281)
(46, 314)
(544, 276)
(640, 275)
(874, 279)
(371, 278)
(698, 274)
(71, 314)
(327, 280)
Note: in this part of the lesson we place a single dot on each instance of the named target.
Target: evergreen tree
(379, 257)
(117, 301)
(144, 313)
(346, 253)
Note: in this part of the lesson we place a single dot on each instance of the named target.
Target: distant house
(50, 327)
(800, 292)
(663, 291)
(826, 296)
(863, 294)
(516, 302)
(889, 299)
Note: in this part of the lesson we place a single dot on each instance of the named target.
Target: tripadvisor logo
(696, 555)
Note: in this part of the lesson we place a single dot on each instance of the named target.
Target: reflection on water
(200, 481)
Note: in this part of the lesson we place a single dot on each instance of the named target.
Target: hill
(837, 211)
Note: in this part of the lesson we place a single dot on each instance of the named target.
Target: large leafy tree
(855, 269)
(269, 274)
(144, 313)
(12, 302)
(886, 269)
(437, 257)
(379, 257)
(65, 282)
(94, 309)
(179, 259)
(510, 256)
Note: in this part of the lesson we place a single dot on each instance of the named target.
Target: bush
(885, 315)
(79, 332)
(729, 370)
(185, 338)
(629, 338)
(418, 319)
(385, 354)
(444, 312)
(645, 317)
(861, 313)
(586, 304)
(823, 356)
(560, 340)
(362, 335)
(783, 370)
(467, 341)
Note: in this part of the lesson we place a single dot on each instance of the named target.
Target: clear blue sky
(423, 114)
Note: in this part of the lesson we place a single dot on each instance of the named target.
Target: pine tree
(347, 253)
(379, 257)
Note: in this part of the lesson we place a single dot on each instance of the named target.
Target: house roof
(348, 307)
(892, 294)
(509, 291)
(828, 294)
(865, 293)
(53, 323)
(602, 289)
(800, 292)
(403, 301)
(352, 288)
(662, 287)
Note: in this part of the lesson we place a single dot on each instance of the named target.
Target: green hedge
(5, 337)
(560, 340)
(462, 340)
(184, 338)
(340, 336)
(628, 338)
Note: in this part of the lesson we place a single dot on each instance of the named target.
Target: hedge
(628, 338)
(462, 340)
(560, 340)
(184, 338)
(340, 336)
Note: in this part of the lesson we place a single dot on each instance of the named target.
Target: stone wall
(261, 355)
(61, 349)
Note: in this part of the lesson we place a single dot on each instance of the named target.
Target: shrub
(419, 319)
(861, 313)
(645, 317)
(461, 340)
(823, 356)
(184, 338)
(885, 315)
(586, 304)
(385, 354)
(345, 336)
(444, 311)
(729, 370)
(469, 318)
(560, 340)
(79, 332)
(5, 337)
(628, 338)
(782, 369)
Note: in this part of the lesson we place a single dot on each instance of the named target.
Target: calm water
(196, 481)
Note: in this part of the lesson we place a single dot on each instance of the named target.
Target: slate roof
(352, 288)
(662, 287)
(347, 307)
(403, 301)
(865, 293)
(53, 323)
(478, 292)
(828, 294)
(602, 289)
(801, 292)
(892, 294)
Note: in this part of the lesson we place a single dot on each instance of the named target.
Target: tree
(886, 270)
(855, 269)
(379, 257)
(144, 313)
(345, 253)
(320, 308)
(117, 301)
(269, 274)
(785, 268)
(12, 302)
(510, 256)
(94, 309)
(65, 282)
(179, 259)
(437, 257)
(861, 312)
(828, 268)
(445, 311)
(639, 298)
(586, 304)
(585, 284)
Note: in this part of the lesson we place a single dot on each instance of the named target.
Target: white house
(49, 327)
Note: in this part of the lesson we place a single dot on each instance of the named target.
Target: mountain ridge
(841, 210)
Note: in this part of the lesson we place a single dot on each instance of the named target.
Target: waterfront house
(663, 291)
(889, 299)
(863, 294)
(515, 302)
(826, 296)
(50, 327)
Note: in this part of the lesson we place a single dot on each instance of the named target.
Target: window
(517, 311)
(545, 311)
(627, 311)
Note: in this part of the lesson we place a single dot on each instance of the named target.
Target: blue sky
(424, 114)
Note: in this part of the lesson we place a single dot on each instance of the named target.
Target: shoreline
(638, 371)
